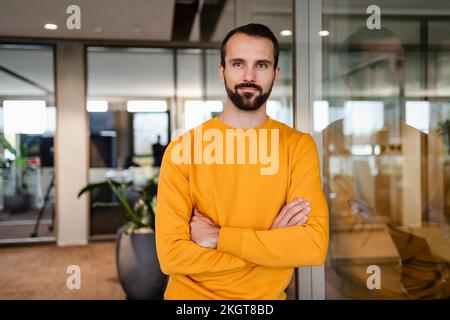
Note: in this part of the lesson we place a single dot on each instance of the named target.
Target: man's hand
(294, 213)
(203, 231)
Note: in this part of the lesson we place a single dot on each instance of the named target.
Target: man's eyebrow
(264, 61)
(257, 61)
(237, 60)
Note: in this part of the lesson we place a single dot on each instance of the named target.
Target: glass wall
(27, 128)
(383, 124)
(139, 98)
(129, 94)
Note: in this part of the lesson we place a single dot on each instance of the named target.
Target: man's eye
(262, 65)
(237, 64)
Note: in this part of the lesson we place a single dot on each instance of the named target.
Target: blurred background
(93, 93)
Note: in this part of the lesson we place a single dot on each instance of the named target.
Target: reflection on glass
(129, 96)
(418, 115)
(321, 118)
(146, 136)
(385, 160)
(363, 117)
(24, 116)
(196, 112)
(27, 127)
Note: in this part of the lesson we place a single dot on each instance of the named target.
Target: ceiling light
(147, 106)
(324, 33)
(286, 33)
(97, 106)
(50, 26)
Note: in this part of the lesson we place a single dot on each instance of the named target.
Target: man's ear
(277, 74)
(221, 71)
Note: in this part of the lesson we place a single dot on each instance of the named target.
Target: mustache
(247, 85)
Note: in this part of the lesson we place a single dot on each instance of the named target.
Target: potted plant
(136, 260)
(16, 169)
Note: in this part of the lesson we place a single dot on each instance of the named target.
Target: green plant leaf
(8, 146)
(142, 213)
(92, 186)
(124, 201)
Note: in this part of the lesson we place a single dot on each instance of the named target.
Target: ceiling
(388, 7)
(28, 71)
(100, 19)
(141, 20)
(178, 20)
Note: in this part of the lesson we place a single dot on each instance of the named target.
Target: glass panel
(27, 128)
(189, 73)
(145, 135)
(280, 105)
(197, 111)
(383, 125)
(184, 76)
(130, 91)
(217, 18)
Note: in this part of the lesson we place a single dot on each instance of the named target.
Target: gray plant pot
(138, 267)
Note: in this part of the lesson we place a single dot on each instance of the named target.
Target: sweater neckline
(266, 124)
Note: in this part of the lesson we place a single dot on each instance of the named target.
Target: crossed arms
(192, 244)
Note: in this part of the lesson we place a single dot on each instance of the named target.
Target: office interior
(81, 106)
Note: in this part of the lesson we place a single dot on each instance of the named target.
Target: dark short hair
(254, 30)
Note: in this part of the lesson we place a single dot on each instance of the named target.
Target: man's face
(249, 72)
(381, 71)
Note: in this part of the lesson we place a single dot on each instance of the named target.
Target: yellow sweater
(251, 261)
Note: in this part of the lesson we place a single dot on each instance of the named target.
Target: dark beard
(243, 102)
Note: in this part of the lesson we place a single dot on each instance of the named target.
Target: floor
(40, 272)
(21, 225)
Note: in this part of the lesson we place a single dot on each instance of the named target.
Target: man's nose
(249, 75)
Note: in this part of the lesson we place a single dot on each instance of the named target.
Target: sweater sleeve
(176, 252)
(304, 245)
